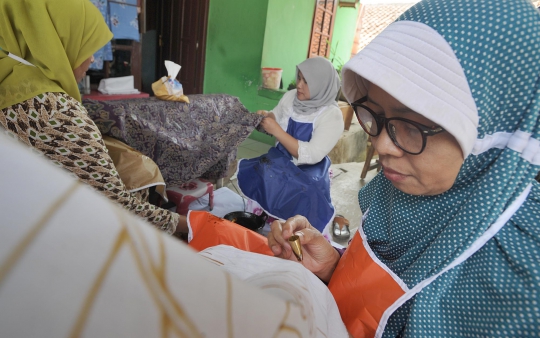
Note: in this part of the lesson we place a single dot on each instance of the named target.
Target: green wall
(343, 36)
(288, 29)
(245, 35)
(286, 41)
(234, 46)
(234, 49)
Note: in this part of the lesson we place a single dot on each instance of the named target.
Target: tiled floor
(251, 148)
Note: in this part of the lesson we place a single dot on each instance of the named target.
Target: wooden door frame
(202, 63)
(154, 20)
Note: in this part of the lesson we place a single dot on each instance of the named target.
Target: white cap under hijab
(414, 63)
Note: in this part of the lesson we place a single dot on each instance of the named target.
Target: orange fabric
(209, 230)
(363, 290)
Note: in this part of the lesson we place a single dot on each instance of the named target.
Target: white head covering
(323, 83)
(414, 63)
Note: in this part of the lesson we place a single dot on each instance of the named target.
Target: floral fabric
(187, 141)
(124, 19)
(58, 126)
(105, 53)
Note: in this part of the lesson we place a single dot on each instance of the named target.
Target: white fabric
(79, 265)
(225, 201)
(327, 128)
(118, 85)
(520, 141)
(414, 64)
(286, 280)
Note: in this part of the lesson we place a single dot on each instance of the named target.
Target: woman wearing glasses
(449, 242)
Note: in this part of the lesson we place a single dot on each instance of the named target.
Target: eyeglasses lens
(407, 135)
(367, 121)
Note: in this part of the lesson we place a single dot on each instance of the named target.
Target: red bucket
(271, 77)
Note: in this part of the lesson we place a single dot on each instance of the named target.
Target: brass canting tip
(294, 241)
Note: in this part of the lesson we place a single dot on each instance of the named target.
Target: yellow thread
(282, 324)
(318, 329)
(156, 270)
(229, 306)
(142, 272)
(290, 330)
(181, 313)
(284, 327)
(91, 296)
(162, 257)
(165, 325)
(31, 235)
(213, 260)
(165, 322)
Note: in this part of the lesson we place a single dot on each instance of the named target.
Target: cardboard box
(347, 112)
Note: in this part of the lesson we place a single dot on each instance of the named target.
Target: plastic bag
(168, 88)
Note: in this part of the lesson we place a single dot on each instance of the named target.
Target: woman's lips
(393, 175)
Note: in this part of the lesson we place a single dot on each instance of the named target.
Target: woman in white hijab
(292, 178)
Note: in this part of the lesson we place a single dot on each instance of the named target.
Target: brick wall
(373, 18)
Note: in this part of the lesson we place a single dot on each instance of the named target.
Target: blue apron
(283, 189)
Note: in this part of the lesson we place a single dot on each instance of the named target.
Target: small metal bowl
(247, 219)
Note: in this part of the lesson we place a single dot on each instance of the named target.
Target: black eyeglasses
(409, 136)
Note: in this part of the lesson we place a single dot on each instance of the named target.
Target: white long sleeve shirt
(327, 128)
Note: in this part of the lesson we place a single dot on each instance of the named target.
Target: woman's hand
(318, 255)
(272, 127)
(264, 113)
(269, 123)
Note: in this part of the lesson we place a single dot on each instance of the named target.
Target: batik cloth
(58, 126)
(187, 141)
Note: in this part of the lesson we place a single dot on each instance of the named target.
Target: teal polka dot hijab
(496, 291)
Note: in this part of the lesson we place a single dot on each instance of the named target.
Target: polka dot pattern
(494, 293)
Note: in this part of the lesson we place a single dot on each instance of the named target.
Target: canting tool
(294, 241)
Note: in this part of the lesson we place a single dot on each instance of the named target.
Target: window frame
(315, 28)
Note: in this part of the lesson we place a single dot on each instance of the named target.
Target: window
(323, 25)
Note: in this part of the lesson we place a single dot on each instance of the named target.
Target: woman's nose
(384, 145)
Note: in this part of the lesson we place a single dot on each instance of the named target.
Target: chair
(369, 155)
(188, 192)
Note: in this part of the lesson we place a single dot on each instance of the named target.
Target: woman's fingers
(270, 125)
(270, 115)
(275, 238)
(294, 224)
(278, 237)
